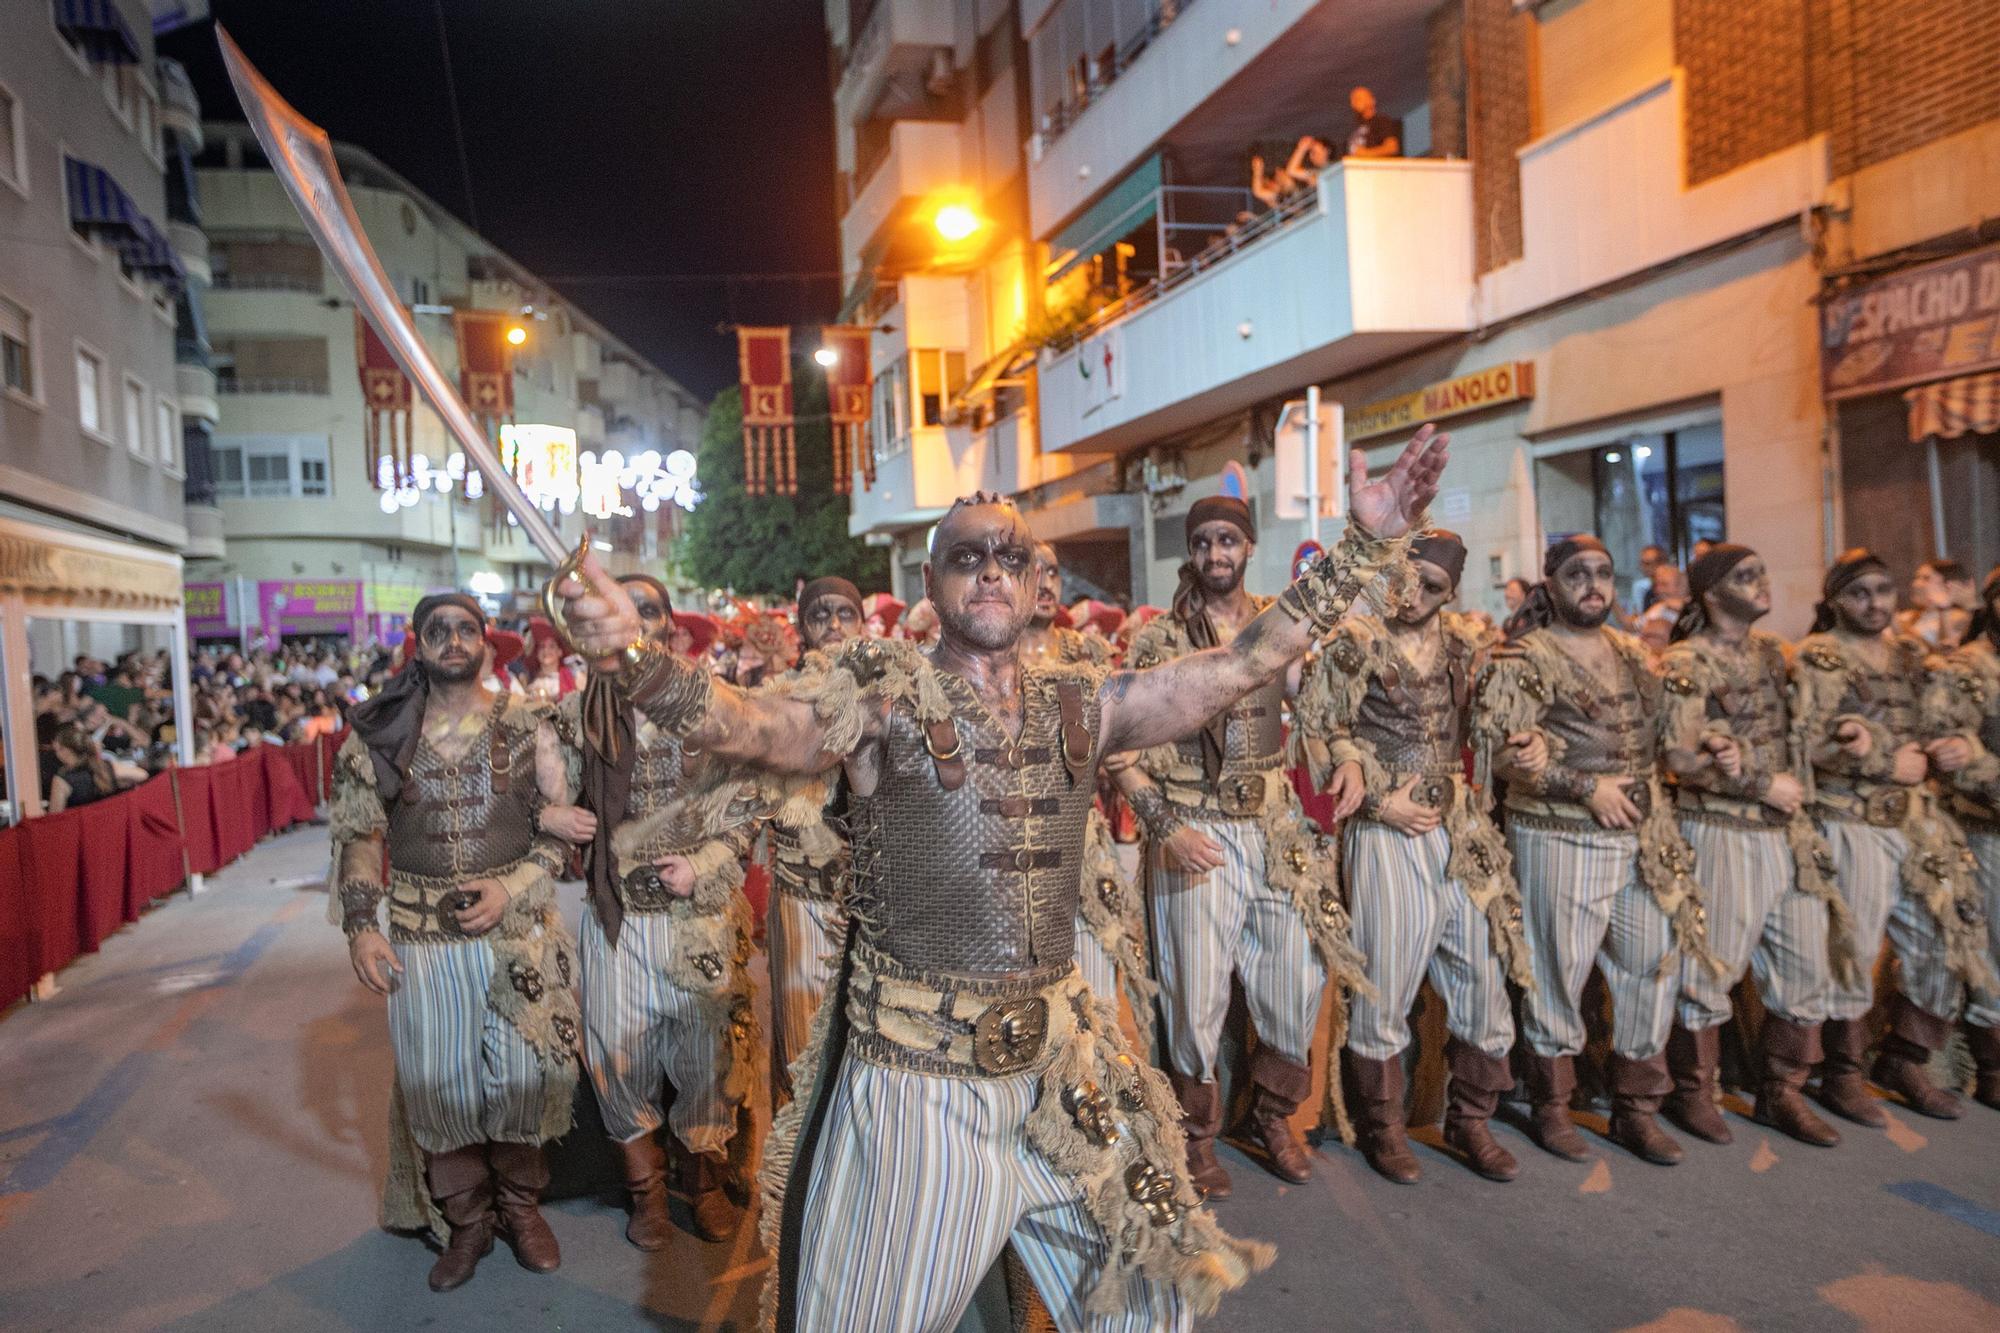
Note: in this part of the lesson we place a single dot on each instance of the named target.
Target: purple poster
(207, 608)
(330, 606)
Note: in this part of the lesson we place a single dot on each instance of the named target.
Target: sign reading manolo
(1491, 387)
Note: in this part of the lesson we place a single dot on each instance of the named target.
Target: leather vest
(1600, 730)
(981, 879)
(1253, 737)
(459, 819)
(1755, 705)
(1415, 723)
(659, 776)
(1888, 697)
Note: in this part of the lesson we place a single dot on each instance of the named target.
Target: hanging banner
(485, 373)
(1923, 323)
(770, 457)
(847, 385)
(385, 403)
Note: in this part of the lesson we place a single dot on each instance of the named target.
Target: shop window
(1661, 489)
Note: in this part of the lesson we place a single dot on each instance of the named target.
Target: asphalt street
(192, 1135)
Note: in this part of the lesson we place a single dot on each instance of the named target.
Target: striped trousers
(1757, 920)
(1985, 1012)
(467, 1074)
(804, 937)
(640, 1030)
(917, 1183)
(1582, 903)
(1868, 864)
(1232, 918)
(1411, 921)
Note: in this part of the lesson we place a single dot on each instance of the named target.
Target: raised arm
(1165, 702)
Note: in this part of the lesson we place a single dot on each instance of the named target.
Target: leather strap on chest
(947, 752)
(1075, 735)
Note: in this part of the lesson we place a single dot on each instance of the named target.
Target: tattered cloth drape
(847, 384)
(385, 400)
(770, 450)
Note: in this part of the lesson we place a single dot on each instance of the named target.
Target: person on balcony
(1374, 134)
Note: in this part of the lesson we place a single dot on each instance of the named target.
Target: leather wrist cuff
(673, 692)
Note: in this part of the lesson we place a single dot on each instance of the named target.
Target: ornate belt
(423, 909)
(957, 1027)
(1234, 796)
(1883, 806)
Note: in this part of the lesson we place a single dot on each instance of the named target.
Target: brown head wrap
(1538, 608)
(831, 585)
(1227, 508)
(1851, 565)
(1703, 575)
(1442, 548)
(390, 722)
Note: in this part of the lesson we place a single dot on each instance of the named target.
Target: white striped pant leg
(804, 936)
(1641, 970)
(1196, 921)
(1099, 972)
(1923, 974)
(1868, 869)
(1792, 962)
(1466, 973)
(437, 1021)
(1743, 873)
(1398, 921)
(1283, 977)
(1568, 880)
(1985, 1009)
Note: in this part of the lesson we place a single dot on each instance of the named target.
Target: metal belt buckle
(1640, 794)
(1432, 793)
(1241, 794)
(644, 890)
(1888, 807)
(1008, 1036)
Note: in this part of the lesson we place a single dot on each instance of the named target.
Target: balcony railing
(268, 282)
(1088, 76)
(270, 385)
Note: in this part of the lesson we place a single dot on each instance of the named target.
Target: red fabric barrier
(197, 820)
(100, 896)
(50, 872)
(285, 770)
(154, 836)
(237, 807)
(17, 968)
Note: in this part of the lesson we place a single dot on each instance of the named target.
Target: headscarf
(1190, 607)
(1538, 608)
(391, 721)
(830, 585)
(1227, 508)
(1851, 565)
(1443, 548)
(1703, 575)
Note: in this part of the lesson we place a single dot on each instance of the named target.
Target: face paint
(829, 621)
(1868, 604)
(1582, 590)
(1220, 553)
(1431, 591)
(980, 576)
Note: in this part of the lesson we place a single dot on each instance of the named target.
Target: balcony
(892, 58)
(618, 385)
(587, 354)
(923, 156)
(1377, 265)
(195, 386)
(205, 539)
(191, 244)
(915, 487)
(180, 109)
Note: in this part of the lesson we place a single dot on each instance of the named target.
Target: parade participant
(1110, 936)
(1380, 722)
(434, 803)
(1605, 875)
(804, 928)
(1970, 685)
(552, 678)
(1858, 688)
(1238, 882)
(963, 1087)
(1772, 905)
(665, 947)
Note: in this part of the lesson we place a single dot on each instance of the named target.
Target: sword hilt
(551, 603)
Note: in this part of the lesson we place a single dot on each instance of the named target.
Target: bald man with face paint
(964, 1088)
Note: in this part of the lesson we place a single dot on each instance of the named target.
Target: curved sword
(302, 157)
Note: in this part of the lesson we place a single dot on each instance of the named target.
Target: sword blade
(302, 157)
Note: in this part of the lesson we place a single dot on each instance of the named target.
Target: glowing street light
(827, 357)
(516, 334)
(956, 222)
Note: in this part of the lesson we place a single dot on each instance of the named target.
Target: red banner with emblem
(386, 399)
(485, 377)
(770, 452)
(847, 385)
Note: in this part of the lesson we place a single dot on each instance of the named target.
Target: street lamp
(827, 357)
(956, 222)
(516, 334)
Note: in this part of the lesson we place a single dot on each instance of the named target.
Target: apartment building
(1634, 254)
(314, 544)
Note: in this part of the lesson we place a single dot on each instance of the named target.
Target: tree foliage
(765, 544)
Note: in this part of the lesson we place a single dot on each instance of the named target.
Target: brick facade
(1500, 118)
(1444, 59)
(1745, 66)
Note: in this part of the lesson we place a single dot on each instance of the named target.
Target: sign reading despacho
(1491, 387)
(1921, 324)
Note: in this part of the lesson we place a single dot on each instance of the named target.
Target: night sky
(607, 138)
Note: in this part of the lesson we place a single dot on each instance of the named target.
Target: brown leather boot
(1551, 1080)
(1906, 1049)
(462, 1184)
(1277, 1088)
(646, 1178)
(1378, 1096)
(1693, 1058)
(1790, 1051)
(1843, 1089)
(1201, 1121)
(1637, 1088)
(714, 1214)
(1985, 1043)
(1477, 1080)
(523, 1173)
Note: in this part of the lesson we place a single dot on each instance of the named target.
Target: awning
(1969, 405)
(99, 205)
(1129, 204)
(98, 27)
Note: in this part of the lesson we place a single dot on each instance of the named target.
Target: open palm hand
(1388, 506)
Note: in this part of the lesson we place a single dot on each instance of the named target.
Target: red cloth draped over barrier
(68, 881)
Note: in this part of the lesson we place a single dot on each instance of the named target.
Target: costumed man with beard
(1380, 722)
(1110, 936)
(1238, 879)
(1969, 686)
(964, 1088)
(666, 945)
(805, 926)
(1605, 875)
(1859, 693)
(1726, 740)
(434, 803)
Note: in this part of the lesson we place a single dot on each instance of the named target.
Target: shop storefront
(311, 609)
(1910, 368)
